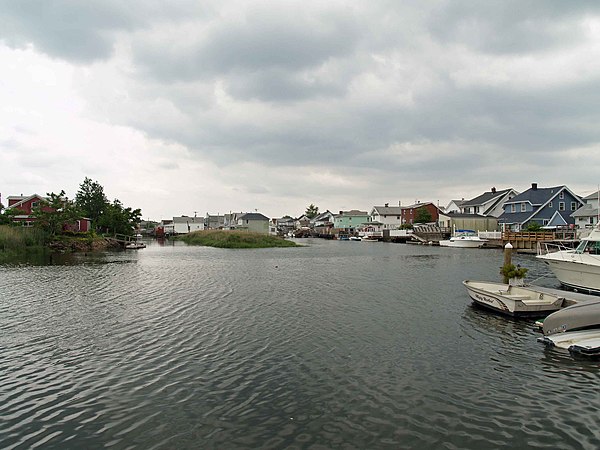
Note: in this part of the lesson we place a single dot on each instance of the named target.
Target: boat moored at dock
(577, 268)
(522, 301)
(464, 239)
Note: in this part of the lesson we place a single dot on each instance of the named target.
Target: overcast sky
(199, 106)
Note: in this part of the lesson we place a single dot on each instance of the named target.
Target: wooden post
(507, 259)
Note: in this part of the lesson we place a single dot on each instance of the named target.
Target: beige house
(255, 222)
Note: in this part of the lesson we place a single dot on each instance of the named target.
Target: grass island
(234, 239)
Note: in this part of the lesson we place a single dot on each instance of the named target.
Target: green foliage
(406, 226)
(91, 200)
(16, 239)
(511, 271)
(533, 227)
(7, 217)
(422, 215)
(53, 215)
(312, 211)
(117, 219)
(234, 239)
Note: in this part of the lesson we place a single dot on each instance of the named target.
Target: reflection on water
(336, 344)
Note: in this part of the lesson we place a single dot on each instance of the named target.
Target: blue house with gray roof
(549, 207)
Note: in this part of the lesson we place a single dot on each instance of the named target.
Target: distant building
(390, 217)
(214, 222)
(489, 203)
(26, 204)
(185, 224)
(548, 207)
(350, 220)
(410, 213)
(255, 222)
(587, 215)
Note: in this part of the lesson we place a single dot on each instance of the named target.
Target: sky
(193, 107)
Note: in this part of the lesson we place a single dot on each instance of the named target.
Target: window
(561, 206)
(513, 208)
(545, 222)
(573, 206)
(34, 204)
(550, 205)
(561, 195)
(523, 207)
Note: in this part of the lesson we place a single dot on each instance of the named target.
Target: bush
(511, 271)
(234, 239)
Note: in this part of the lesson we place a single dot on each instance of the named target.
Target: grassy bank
(19, 239)
(234, 239)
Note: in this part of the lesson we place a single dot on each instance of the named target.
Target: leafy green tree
(533, 227)
(91, 200)
(422, 215)
(56, 213)
(312, 211)
(118, 219)
(8, 216)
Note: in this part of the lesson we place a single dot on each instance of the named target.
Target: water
(334, 345)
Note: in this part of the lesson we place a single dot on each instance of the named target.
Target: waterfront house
(454, 206)
(255, 222)
(26, 204)
(587, 215)
(390, 217)
(214, 222)
(324, 219)
(410, 213)
(349, 221)
(548, 207)
(185, 224)
(489, 203)
(302, 222)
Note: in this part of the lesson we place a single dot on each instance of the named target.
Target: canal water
(332, 345)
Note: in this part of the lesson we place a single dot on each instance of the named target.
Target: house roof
(592, 196)
(388, 210)
(537, 196)
(25, 199)
(456, 215)
(253, 216)
(585, 211)
(418, 205)
(186, 219)
(485, 198)
(352, 212)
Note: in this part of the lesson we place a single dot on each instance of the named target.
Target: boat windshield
(591, 247)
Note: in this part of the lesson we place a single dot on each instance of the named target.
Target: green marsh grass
(234, 239)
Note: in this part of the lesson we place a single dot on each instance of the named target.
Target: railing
(490, 234)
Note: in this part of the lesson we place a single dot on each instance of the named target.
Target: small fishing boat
(135, 245)
(576, 328)
(464, 239)
(523, 301)
(354, 238)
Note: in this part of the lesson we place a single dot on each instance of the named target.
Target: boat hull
(512, 300)
(584, 342)
(462, 243)
(574, 271)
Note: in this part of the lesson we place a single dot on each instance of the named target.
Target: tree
(533, 226)
(8, 216)
(118, 219)
(422, 215)
(91, 200)
(312, 211)
(56, 213)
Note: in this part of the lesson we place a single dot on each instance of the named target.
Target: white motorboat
(354, 238)
(513, 300)
(135, 245)
(576, 328)
(577, 268)
(464, 239)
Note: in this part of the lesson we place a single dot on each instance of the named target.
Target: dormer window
(550, 205)
(561, 195)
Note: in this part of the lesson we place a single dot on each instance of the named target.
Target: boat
(135, 245)
(575, 328)
(464, 239)
(354, 238)
(577, 268)
(522, 301)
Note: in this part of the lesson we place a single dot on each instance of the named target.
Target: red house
(410, 213)
(26, 205)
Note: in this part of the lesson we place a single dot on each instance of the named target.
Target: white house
(390, 217)
(587, 215)
(185, 224)
(489, 203)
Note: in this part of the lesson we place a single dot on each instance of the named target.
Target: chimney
(387, 204)
(341, 212)
(534, 186)
(493, 190)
